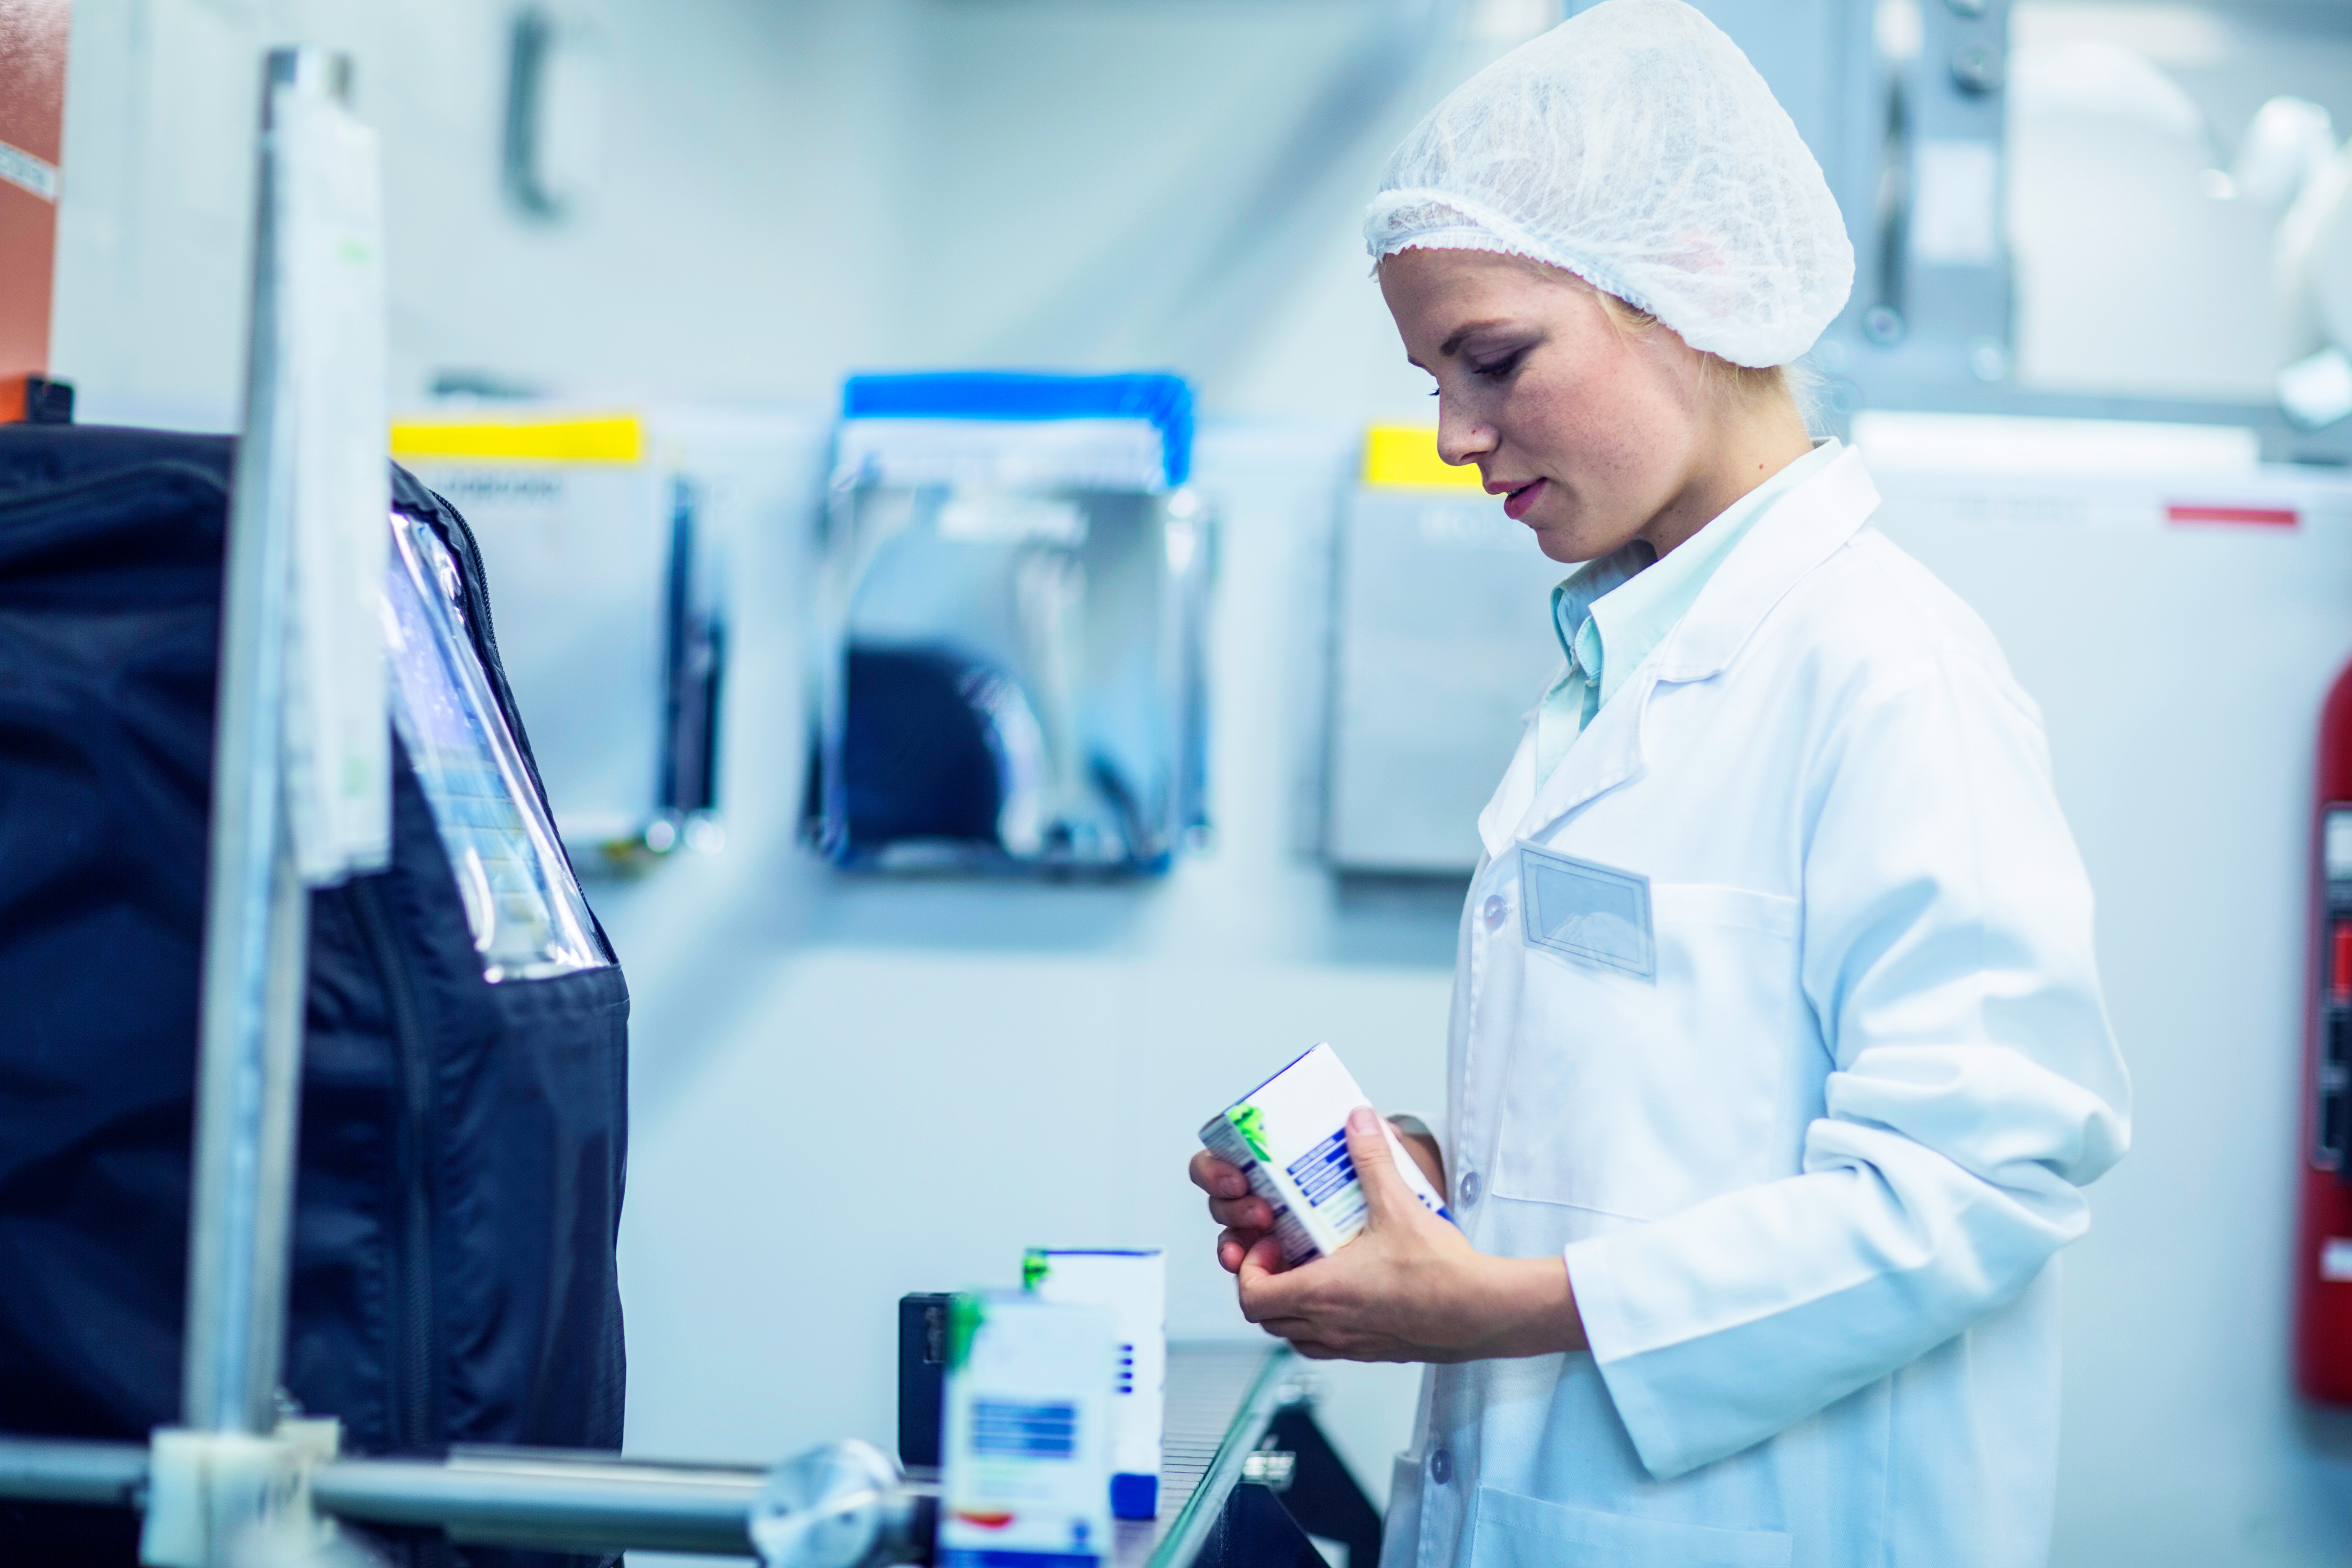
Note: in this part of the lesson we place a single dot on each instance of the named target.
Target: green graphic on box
(1249, 1120)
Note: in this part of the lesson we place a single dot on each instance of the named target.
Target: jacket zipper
(413, 1350)
(477, 597)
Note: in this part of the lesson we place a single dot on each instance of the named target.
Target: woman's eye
(1496, 370)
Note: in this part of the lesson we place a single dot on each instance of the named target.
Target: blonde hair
(1750, 385)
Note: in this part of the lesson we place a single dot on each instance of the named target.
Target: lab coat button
(1466, 1191)
(1440, 1467)
(1494, 911)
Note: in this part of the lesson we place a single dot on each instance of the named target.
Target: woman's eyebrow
(1450, 345)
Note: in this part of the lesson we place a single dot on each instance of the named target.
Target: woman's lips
(1515, 504)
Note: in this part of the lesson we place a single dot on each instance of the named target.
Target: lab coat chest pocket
(1638, 1097)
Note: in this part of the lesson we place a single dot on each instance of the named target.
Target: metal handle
(1882, 321)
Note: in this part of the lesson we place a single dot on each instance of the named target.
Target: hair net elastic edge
(1485, 229)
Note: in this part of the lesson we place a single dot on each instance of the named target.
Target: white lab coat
(1811, 1179)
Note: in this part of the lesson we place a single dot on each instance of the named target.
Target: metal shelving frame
(235, 1468)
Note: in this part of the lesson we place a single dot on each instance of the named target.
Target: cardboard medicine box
(1289, 1137)
(1025, 1477)
(1134, 1286)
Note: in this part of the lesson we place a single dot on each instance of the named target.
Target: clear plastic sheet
(523, 905)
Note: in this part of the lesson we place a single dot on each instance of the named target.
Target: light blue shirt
(1614, 610)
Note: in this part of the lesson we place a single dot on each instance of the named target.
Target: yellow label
(615, 438)
(1406, 455)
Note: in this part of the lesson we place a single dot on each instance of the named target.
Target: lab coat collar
(1802, 530)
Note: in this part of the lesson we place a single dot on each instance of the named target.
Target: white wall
(2180, 672)
(745, 238)
(844, 1090)
(796, 191)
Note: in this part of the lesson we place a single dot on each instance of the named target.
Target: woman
(1777, 1058)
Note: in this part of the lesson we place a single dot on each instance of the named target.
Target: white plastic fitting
(214, 1496)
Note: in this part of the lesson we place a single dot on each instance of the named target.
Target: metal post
(256, 908)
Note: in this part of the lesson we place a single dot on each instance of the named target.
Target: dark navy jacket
(462, 1144)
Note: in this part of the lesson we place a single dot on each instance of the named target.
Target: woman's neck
(1756, 441)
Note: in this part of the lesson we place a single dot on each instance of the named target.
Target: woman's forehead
(1436, 293)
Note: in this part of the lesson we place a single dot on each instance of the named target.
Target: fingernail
(1361, 1119)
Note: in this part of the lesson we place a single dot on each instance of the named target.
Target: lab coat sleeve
(1945, 951)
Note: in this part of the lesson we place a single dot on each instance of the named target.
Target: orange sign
(32, 125)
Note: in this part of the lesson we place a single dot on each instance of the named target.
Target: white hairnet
(1634, 146)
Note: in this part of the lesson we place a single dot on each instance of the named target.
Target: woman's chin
(1568, 546)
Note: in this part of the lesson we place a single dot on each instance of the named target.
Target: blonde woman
(1778, 1057)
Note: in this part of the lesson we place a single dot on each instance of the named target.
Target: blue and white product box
(1134, 1286)
(1025, 1433)
(1289, 1137)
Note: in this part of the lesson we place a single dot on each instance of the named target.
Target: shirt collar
(1611, 612)
(1572, 601)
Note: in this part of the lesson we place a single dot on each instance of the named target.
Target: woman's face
(1589, 432)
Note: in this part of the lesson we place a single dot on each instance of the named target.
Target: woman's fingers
(1216, 1178)
(1242, 1213)
(1304, 1337)
(1245, 1218)
(1234, 1245)
(1264, 1293)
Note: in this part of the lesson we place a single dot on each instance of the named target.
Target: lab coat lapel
(1511, 797)
(1609, 753)
(1801, 531)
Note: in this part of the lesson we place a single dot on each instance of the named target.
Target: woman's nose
(1461, 440)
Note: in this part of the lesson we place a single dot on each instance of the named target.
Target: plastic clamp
(214, 1497)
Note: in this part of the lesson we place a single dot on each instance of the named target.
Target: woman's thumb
(1375, 1160)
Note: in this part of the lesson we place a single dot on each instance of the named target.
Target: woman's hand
(1409, 1288)
(1246, 1218)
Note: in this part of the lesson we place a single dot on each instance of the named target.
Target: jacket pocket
(1512, 1531)
(1641, 1098)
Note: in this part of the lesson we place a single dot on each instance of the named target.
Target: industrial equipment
(611, 539)
(1442, 642)
(1008, 665)
(2049, 222)
(2323, 1250)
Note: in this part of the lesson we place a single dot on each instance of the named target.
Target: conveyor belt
(1220, 1394)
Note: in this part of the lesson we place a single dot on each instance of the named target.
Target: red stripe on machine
(2244, 516)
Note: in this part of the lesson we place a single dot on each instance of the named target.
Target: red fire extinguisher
(2323, 1239)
